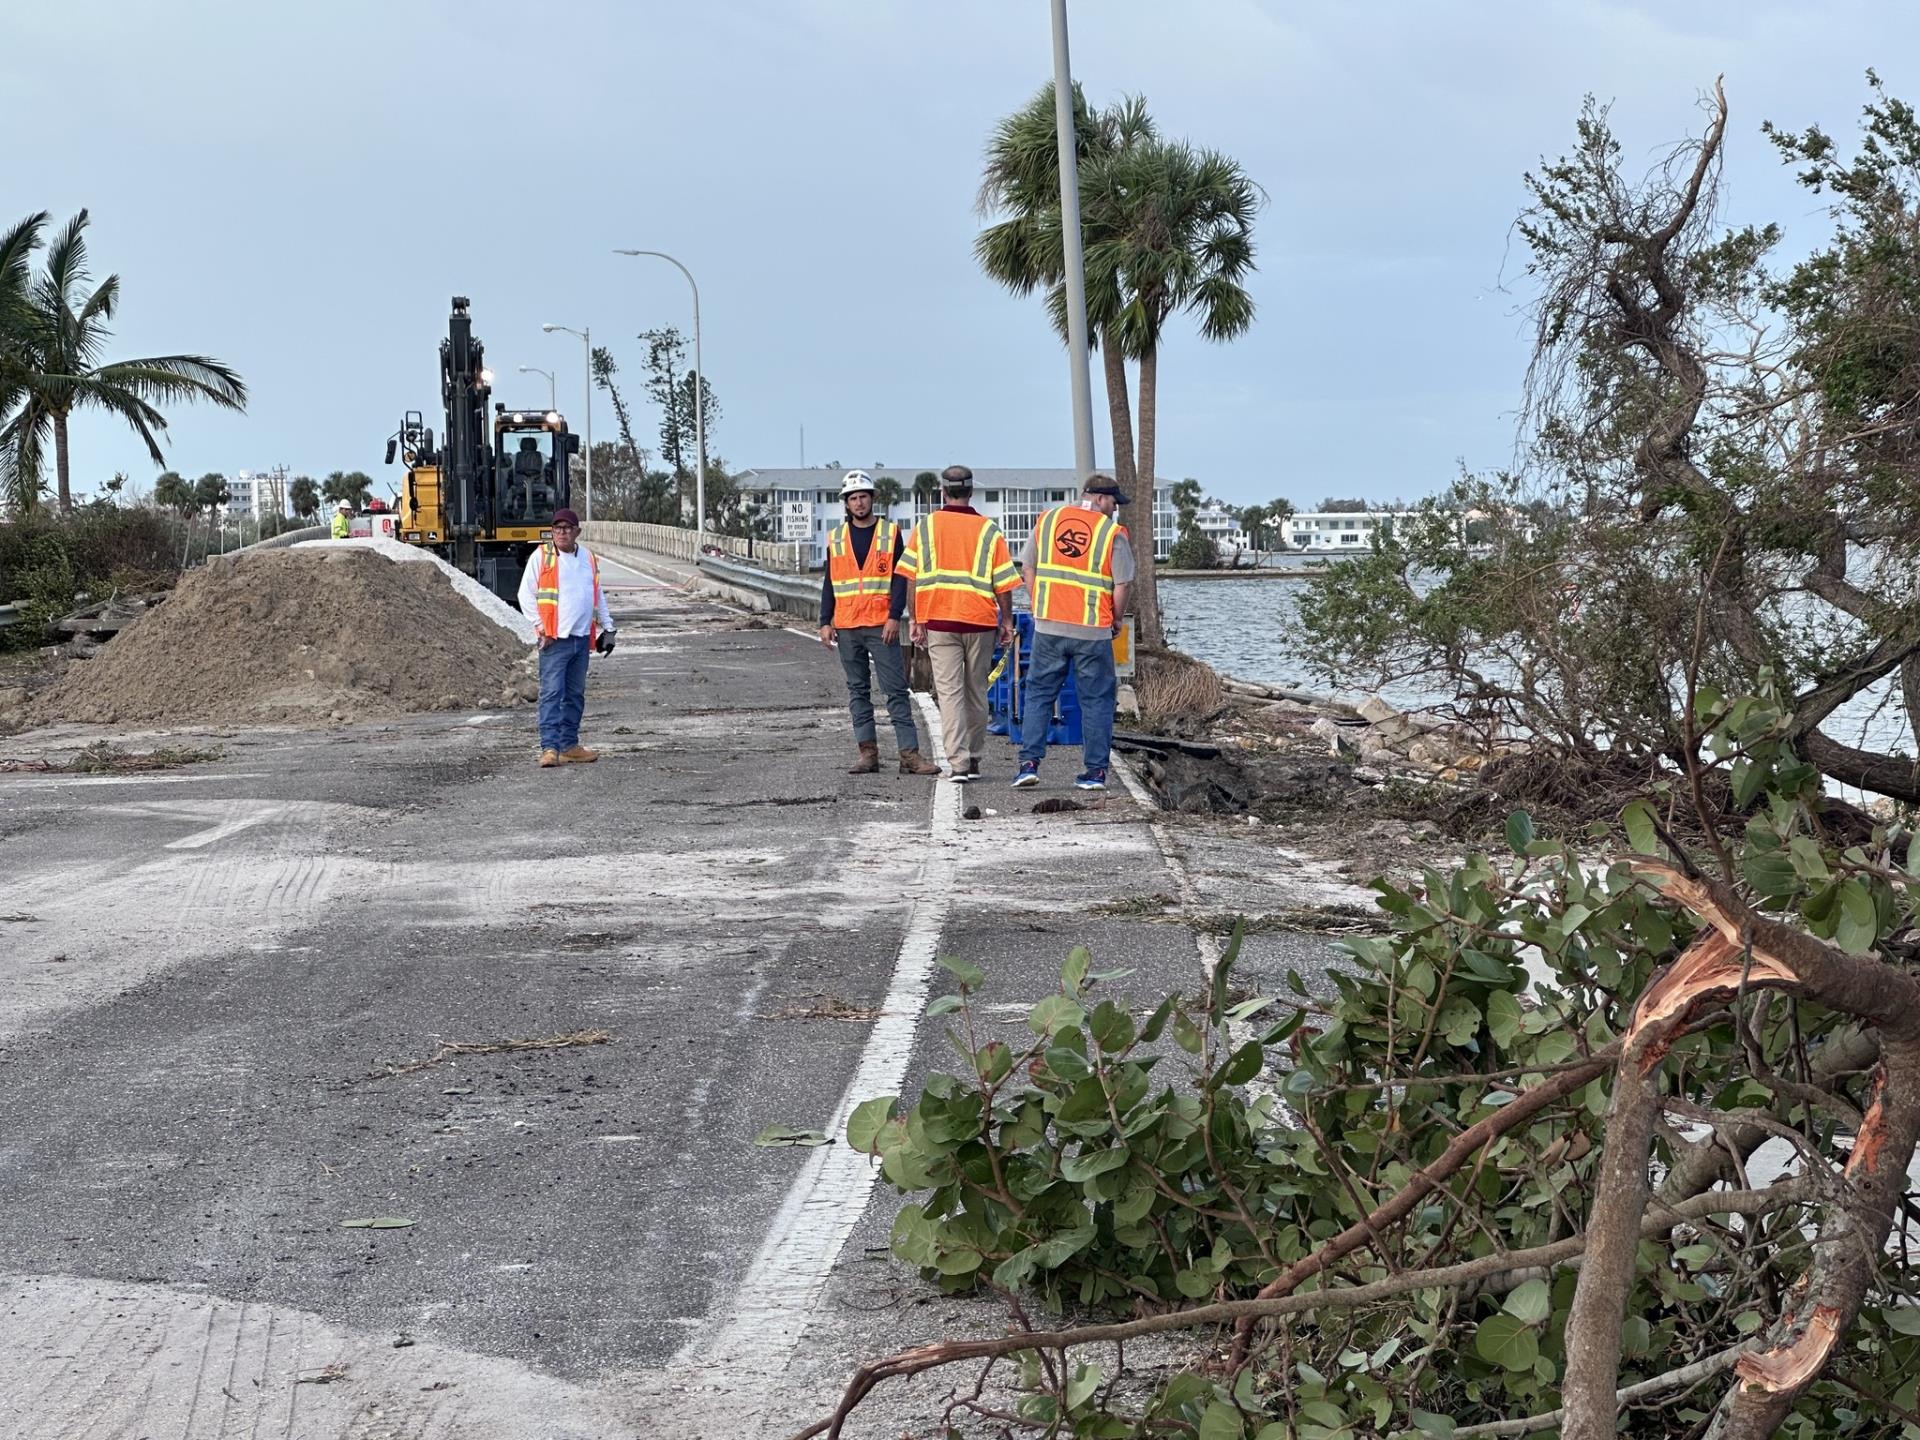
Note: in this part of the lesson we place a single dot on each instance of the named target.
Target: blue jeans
(857, 647)
(563, 691)
(1093, 679)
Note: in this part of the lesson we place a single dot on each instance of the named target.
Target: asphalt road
(209, 977)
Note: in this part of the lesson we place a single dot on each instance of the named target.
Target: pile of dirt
(298, 636)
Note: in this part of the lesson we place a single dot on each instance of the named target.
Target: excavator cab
(531, 451)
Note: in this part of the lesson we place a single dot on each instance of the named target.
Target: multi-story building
(1343, 529)
(1219, 524)
(257, 492)
(805, 504)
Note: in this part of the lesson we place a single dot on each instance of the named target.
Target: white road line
(12, 782)
(755, 1342)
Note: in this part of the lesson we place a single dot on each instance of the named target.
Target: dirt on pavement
(297, 636)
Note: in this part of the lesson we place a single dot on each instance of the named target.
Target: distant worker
(1079, 569)
(343, 520)
(561, 590)
(963, 582)
(863, 598)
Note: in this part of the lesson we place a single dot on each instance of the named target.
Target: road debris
(496, 1047)
(775, 1135)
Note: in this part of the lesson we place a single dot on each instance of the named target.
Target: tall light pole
(586, 348)
(1069, 146)
(552, 404)
(699, 401)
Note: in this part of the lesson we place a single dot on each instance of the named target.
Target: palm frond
(101, 303)
(145, 421)
(66, 265)
(23, 442)
(177, 377)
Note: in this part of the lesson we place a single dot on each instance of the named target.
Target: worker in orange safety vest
(1079, 569)
(963, 582)
(862, 602)
(560, 589)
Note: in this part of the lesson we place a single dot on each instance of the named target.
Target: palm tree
(926, 489)
(304, 496)
(16, 253)
(886, 494)
(1165, 228)
(60, 371)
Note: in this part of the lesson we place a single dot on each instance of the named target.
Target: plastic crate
(1004, 707)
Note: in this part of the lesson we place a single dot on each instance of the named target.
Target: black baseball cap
(1104, 485)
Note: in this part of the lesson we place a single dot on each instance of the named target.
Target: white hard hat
(856, 481)
(346, 504)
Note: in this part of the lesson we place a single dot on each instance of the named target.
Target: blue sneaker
(1029, 774)
(1092, 780)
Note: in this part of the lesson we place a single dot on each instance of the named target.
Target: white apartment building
(257, 492)
(805, 504)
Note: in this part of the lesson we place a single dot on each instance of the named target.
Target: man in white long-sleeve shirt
(561, 590)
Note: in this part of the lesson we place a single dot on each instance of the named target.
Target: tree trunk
(1139, 520)
(1119, 414)
(60, 461)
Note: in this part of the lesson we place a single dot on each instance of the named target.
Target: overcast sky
(299, 189)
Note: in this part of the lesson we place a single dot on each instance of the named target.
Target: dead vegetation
(1177, 693)
(103, 757)
(822, 1006)
(495, 1047)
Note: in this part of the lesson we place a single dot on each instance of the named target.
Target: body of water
(1250, 629)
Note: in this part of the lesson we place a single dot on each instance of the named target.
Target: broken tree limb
(1460, 1149)
(1679, 1379)
(1742, 948)
(1559, 1252)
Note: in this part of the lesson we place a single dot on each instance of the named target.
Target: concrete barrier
(781, 557)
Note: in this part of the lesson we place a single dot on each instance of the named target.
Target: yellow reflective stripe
(1074, 577)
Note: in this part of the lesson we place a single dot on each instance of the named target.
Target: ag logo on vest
(1072, 539)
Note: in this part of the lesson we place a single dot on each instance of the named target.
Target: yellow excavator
(483, 498)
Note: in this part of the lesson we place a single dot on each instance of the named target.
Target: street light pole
(536, 370)
(1069, 148)
(699, 401)
(586, 345)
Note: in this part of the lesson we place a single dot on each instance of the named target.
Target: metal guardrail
(795, 594)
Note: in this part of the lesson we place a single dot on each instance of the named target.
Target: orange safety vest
(860, 592)
(958, 564)
(546, 594)
(1073, 566)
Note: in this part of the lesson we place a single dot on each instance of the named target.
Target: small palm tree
(58, 370)
(886, 494)
(304, 496)
(926, 489)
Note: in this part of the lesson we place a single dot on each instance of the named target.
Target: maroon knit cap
(566, 517)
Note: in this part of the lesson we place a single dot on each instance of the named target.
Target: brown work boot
(579, 755)
(869, 760)
(550, 758)
(912, 762)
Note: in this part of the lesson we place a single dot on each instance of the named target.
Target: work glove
(604, 645)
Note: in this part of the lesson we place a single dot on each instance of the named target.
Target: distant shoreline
(1264, 572)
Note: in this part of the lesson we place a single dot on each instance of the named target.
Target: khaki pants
(960, 661)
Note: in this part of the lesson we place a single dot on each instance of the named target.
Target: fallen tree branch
(1673, 1380)
(495, 1047)
(1559, 1252)
(1463, 1147)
